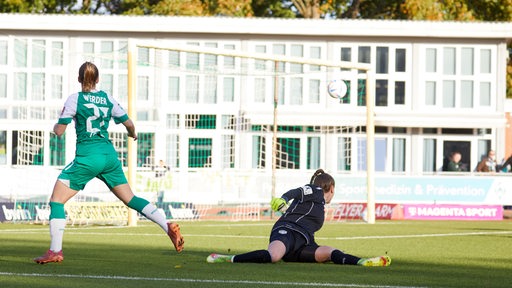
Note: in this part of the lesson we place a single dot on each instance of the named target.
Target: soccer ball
(337, 89)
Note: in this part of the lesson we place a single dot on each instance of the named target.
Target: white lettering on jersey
(95, 100)
(307, 190)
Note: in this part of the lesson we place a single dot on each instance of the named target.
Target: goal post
(132, 113)
(249, 69)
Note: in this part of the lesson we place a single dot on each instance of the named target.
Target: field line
(423, 235)
(78, 231)
(188, 280)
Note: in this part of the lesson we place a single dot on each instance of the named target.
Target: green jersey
(92, 112)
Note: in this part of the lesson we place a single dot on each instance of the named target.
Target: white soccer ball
(337, 89)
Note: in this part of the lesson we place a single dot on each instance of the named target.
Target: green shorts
(83, 169)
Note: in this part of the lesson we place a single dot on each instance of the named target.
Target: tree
(41, 6)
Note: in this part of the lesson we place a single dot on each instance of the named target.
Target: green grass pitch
(424, 254)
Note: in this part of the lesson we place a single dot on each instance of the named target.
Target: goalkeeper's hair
(322, 180)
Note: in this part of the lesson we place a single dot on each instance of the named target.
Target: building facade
(438, 87)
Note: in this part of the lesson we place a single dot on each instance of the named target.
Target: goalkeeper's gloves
(277, 204)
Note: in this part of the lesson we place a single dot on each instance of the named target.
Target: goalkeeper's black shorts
(298, 246)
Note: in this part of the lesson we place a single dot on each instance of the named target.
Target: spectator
(454, 164)
(488, 164)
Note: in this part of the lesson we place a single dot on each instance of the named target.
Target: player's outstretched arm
(130, 128)
(277, 203)
(59, 129)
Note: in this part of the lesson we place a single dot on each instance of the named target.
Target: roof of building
(248, 26)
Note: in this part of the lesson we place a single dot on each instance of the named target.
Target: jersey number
(96, 110)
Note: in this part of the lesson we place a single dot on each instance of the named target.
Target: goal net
(241, 127)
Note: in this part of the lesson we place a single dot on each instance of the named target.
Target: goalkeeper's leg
(339, 257)
(275, 252)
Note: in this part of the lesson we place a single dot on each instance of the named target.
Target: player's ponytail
(322, 180)
(88, 75)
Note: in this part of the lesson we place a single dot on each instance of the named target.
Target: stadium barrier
(116, 213)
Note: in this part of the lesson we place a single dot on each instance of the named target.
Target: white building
(439, 87)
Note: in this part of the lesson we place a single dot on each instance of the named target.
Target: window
(315, 53)
(143, 56)
(210, 60)
(314, 91)
(3, 52)
(288, 153)
(466, 61)
(381, 92)
(192, 89)
(448, 93)
(259, 90)
(382, 61)
(172, 121)
(313, 157)
(3, 85)
(380, 154)
(20, 86)
(229, 62)
(173, 159)
(485, 61)
(364, 54)
(343, 155)
(431, 60)
(429, 155)
(38, 84)
(199, 152)
(210, 89)
(398, 155)
(258, 152)
(174, 60)
(107, 83)
(228, 151)
(145, 149)
(296, 91)
(296, 51)
(57, 150)
(27, 147)
(56, 87)
(20, 53)
(430, 93)
(192, 61)
(399, 92)
(38, 53)
(466, 91)
(174, 89)
(122, 87)
(449, 60)
(346, 55)
(260, 64)
(400, 60)
(485, 94)
(199, 121)
(107, 48)
(229, 89)
(142, 88)
(279, 49)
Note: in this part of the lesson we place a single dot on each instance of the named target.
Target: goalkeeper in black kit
(292, 238)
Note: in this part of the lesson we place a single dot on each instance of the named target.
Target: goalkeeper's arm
(278, 203)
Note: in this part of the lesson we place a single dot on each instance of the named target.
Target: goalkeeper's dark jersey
(306, 213)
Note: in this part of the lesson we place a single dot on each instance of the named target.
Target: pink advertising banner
(452, 212)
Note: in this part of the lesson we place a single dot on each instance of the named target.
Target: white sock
(153, 214)
(57, 233)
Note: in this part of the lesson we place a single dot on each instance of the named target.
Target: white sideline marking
(107, 277)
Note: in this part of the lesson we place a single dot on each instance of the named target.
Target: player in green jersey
(95, 156)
